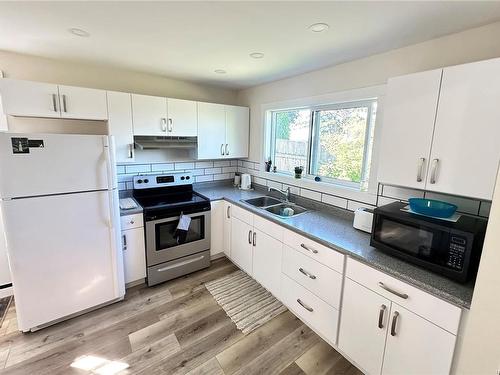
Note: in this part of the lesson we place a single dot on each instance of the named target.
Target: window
(333, 142)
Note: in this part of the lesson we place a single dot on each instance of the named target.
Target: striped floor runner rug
(245, 301)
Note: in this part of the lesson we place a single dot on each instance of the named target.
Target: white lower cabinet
(267, 261)
(216, 223)
(134, 260)
(241, 244)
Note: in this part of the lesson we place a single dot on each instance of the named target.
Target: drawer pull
(400, 295)
(132, 222)
(314, 251)
(307, 273)
(381, 316)
(310, 309)
(394, 322)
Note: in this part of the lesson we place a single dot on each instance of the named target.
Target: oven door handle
(177, 217)
(183, 263)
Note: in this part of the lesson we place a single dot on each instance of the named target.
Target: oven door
(162, 244)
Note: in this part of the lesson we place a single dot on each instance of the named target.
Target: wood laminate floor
(173, 328)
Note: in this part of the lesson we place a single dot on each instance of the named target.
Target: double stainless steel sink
(276, 207)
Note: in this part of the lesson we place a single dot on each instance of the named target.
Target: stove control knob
(139, 181)
(187, 177)
(182, 178)
(146, 181)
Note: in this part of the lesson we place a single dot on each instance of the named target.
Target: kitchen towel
(182, 228)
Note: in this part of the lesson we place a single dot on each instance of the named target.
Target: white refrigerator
(60, 211)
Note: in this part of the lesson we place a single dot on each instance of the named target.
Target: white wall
(480, 350)
(472, 45)
(35, 68)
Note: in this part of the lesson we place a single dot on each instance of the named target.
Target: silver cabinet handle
(254, 241)
(394, 323)
(163, 124)
(130, 151)
(227, 149)
(400, 295)
(314, 251)
(420, 171)
(132, 222)
(435, 163)
(228, 212)
(304, 272)
(222, 149)
(250, 237)
(310, 309)
(124, 242)
(65, 109)
(54, 102)
(381, 316)
(170, 125)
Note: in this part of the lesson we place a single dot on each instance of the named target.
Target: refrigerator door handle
(108, 153)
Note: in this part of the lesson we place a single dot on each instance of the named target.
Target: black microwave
(452, 249)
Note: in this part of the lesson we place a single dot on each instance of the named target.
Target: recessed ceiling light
(257, 55)
(220, 71)
(79, 32)
(319, 27)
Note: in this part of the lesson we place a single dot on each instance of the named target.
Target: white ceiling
(189, 40)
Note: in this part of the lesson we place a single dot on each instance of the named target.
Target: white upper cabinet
(466, 144)
(120, 125)
(222, 131)
(182, 118)
(32, 99)
(211, 131)
(462, 130)
(237, 130)
(409, 114)
(149, 115)
(82, 103)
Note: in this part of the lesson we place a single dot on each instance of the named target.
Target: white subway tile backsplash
(275, 185)
(311, 194)
(204, 178)
(198, 172)
(353, 205)
(204, 164)
(121, 186)
(179, 166)
(130, 185)
(401, 193)
(213, 170)
(234, 163)
(120, 169)
(249, 165)
(293, 189)
(334, 201)
(469, 206)
(260, 181)
(229, 169)
(240, 163)
(125, 177)
(222, 176)
(138, 168)
(222, 163)
(382, 201)
(162, 167)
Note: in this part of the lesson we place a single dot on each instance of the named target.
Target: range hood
(155, 143)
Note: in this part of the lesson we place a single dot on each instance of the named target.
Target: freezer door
(41, 164)
(63, 255)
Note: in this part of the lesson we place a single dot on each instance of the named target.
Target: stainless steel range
(164, 199)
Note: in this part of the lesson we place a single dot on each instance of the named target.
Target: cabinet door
(26, 98)
(149, 115)
(211, 131)
(83, 103)
(465, 149)
(409, 114)
(227, 229)
(267, 254)
(120, 125)
(217, 227)
(241, 244)
(416, 346)
(363, 326)
(134, 255)
(182, 118)
(237, 131)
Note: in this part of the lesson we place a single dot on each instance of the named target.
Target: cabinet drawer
(310, 309)
(421, 303)
(316, 277)
(131, 221)
(268, 227)
(314, 250)
(242, 214)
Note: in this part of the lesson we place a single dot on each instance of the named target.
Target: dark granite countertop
(333, 228)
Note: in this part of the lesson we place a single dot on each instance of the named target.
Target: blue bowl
(431, 207)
